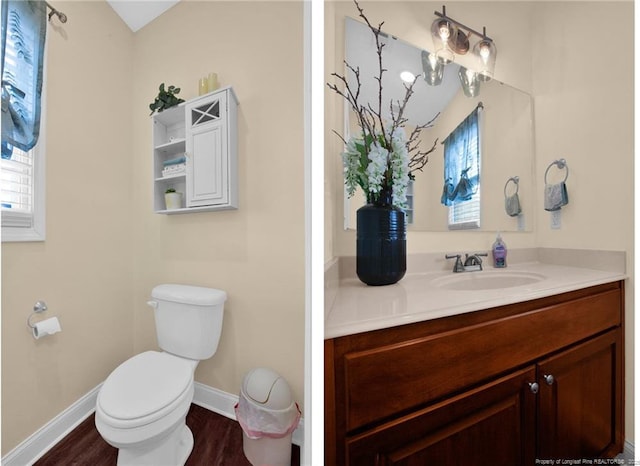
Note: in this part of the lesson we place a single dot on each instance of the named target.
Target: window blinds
(16, 189)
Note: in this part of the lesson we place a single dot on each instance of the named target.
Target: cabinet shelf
(174, 146)
(171, 177)
(190, 210)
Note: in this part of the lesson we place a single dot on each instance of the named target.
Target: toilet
(143, 404)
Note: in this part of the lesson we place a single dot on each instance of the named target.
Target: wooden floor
(217, 442)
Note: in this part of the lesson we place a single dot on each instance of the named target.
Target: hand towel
(555, 196)
(512, 205)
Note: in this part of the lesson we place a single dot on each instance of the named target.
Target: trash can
(268, 416)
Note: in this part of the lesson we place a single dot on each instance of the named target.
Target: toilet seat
(145, 388)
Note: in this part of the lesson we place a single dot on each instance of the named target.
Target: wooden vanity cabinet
(504, 386)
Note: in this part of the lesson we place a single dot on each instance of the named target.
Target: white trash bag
(258, 422)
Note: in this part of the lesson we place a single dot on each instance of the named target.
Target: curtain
(462, 162)
(23, 35)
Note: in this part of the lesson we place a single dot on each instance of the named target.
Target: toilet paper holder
(38, 307)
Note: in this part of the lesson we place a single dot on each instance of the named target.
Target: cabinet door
(492, 425)
(208, 162)
(580, 413)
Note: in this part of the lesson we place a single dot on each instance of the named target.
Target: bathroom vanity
(484, 377)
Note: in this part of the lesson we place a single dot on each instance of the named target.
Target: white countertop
(419, 297)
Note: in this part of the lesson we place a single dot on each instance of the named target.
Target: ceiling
(139, 13)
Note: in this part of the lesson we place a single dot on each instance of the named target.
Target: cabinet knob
(534, 387)
(549, 379)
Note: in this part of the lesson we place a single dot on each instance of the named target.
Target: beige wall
(255, 253)
(581, 113)
(587, 117)
(105, 249)
(83, 270)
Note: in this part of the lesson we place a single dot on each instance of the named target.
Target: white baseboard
(45, 438)
(628, 453)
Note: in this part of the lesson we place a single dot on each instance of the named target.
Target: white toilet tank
(188, 319)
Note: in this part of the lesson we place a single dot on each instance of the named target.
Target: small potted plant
(172, 199)
(165, 99)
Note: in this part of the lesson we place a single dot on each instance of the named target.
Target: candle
(203, 86)
(213, 81)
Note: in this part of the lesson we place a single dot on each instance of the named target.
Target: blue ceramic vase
(381, 243)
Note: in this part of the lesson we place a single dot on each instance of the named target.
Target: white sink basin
(487, 280)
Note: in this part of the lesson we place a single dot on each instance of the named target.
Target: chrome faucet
(458, 266)
(472, 262)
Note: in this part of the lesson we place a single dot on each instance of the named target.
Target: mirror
(506, 134)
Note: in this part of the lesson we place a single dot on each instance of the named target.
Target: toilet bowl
(142, 406)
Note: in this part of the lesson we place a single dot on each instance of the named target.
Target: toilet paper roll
(46, 327)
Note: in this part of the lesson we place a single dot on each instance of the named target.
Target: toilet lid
(144, 384)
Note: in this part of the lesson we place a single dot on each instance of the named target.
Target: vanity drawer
(383, 381)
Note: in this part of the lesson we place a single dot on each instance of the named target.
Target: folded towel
(555, 196)
(175, 161)
(174, 169)
(512, 205)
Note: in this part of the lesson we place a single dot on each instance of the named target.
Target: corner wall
(256, 253)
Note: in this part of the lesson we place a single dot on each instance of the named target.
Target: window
(22, 162)
(461, 191)
(22, 195)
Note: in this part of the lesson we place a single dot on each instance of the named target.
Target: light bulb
(444, 31)
(485, 51)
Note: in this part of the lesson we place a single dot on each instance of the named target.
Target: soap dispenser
(499, 252)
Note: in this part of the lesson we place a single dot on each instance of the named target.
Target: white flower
(399, 162)
(351, 163)
(378, 163)
(380, 169)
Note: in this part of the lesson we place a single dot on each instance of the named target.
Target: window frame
(37, 230)
(473, 203)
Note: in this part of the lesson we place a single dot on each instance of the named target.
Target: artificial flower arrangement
(380, 159)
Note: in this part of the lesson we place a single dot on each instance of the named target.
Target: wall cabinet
(195, 153)
(541, 379)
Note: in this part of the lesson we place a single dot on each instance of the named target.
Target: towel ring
(561, 163)
(516, 181)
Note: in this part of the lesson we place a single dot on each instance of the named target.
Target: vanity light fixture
(444, 33)
(470, 81)
(485, 52)
(432, 68)
(451, 38)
